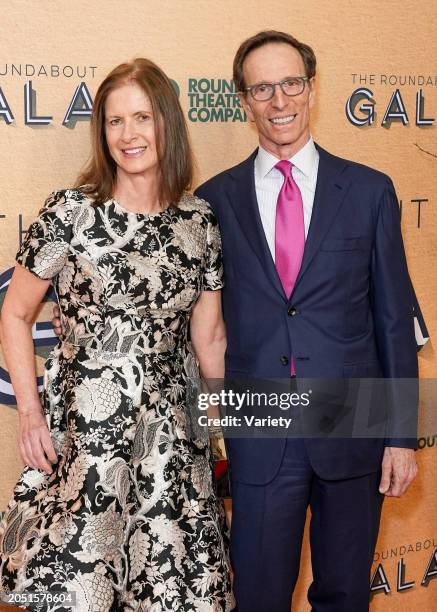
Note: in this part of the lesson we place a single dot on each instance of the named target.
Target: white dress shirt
(269, 180)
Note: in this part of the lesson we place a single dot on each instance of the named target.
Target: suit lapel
(331, 189)
(245, 205)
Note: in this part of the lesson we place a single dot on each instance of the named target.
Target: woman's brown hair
(174, 152)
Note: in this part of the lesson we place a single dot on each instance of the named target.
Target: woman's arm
(208, 334)
(24, 295)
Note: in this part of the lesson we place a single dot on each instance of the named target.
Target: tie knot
(284, 166)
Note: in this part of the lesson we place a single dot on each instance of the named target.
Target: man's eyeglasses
(293, 86)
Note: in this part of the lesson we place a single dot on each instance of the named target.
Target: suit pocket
(364, 369)
(346, 244)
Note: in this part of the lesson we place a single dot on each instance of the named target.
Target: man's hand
(56, 321)
(399, 469)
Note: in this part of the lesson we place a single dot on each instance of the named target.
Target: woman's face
(130, 130)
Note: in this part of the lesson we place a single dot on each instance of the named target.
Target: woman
(116, 502)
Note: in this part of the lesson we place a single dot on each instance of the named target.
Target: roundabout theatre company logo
(213, 100)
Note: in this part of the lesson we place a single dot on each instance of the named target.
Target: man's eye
(263, 87)
(292, 83)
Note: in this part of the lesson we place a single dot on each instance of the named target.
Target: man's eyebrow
(291, 76)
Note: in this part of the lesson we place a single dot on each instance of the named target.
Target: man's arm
(394, 327)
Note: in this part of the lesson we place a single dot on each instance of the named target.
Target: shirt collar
(305, 160)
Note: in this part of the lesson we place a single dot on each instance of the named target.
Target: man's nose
(279, 99)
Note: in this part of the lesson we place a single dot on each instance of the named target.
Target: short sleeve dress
(129, 519)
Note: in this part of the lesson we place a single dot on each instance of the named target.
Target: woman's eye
(114, 122)
(144, 117)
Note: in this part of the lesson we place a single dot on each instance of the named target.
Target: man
(316, 286)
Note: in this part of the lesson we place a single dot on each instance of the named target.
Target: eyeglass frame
(304, 80)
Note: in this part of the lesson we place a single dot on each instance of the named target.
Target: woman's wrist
(27, 408)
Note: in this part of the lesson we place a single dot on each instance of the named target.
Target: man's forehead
(273, 61)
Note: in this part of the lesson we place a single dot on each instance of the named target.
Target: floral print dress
(128, 520)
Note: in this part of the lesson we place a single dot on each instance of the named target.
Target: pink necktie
(289, 232)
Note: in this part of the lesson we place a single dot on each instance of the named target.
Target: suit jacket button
(292, 311)
(284, 360)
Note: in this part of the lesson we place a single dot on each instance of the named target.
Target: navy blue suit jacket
(352, 298)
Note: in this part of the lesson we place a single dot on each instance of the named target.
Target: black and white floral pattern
(129, 519)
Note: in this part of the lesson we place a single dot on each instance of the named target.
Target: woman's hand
(34, 440)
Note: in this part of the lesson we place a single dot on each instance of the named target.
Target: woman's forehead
(127, 98)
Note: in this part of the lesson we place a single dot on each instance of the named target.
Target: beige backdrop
(196, 39)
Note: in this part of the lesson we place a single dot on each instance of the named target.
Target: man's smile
(282, 120)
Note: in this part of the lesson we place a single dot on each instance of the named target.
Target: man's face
(283, 121)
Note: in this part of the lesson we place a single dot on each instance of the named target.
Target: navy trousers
(266, 537)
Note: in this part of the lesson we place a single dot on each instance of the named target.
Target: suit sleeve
(206, 194)
(392, 309)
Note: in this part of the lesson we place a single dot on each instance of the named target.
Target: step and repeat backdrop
(377, 104)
